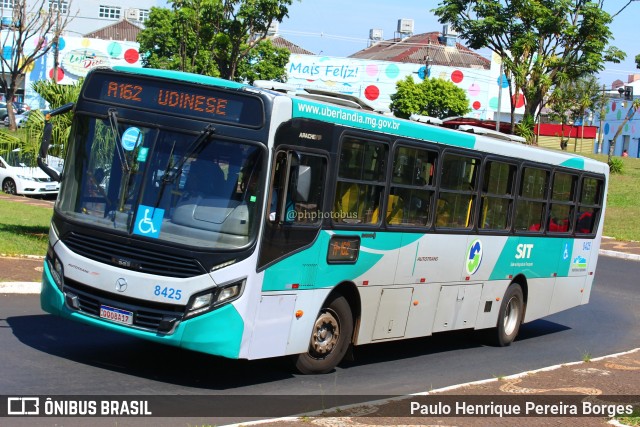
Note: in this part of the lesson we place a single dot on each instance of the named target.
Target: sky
(341, 27)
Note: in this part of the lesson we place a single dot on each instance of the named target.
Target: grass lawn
(622, 219)
(24, 229)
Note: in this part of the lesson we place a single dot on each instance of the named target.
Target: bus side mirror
(44, 149)
(46, 141)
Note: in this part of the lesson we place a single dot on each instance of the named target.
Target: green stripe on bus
(575, 163)
(535, 257)
(297, 268)
(377, 122)
(198, 333)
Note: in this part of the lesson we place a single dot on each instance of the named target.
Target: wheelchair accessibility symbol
(148, 221)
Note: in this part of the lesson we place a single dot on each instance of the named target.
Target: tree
(56, 96)
(431, 97)
(571, 99)
(541, 43)
(39, 26)
(29, 141)
(265, 62)
(211, 37)
(174, 39)
(560, 105)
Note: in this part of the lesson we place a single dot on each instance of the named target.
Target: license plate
(50, 187)
(116, 315)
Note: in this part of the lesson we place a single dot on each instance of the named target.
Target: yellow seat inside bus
(355, 202)
(349, 204)
(394, 211)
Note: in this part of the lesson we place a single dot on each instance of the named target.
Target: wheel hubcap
(326, 332)
(511, 316)
(9, 188)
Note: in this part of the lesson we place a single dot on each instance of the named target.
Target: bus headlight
(55, 267)
(208, 300)
(201, 301)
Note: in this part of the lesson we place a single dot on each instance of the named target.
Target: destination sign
(175, 98)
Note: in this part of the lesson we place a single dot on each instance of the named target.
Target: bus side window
(361, 180)
(532, 196)
(290, 176)
(412, 189)
(457, 191)
(497, 195)
(562, 202)
(589, 205)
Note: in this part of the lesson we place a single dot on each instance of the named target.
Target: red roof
(278, 41)
(414, 49)
(122, 30)
(568, 131)
(454, 122)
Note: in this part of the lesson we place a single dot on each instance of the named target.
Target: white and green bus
(245, 223)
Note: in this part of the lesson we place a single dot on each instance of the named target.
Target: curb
(20, 287)
(616, 254)
(429, 393)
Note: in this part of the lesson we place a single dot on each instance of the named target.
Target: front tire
(330, 339)
(510, 316)
(9, 186)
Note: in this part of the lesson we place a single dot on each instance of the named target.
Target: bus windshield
(194, 190)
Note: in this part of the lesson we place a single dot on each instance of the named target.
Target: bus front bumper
(218, 332)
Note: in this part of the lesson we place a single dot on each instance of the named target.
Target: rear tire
(509, 318)
(330, 338)
(9, 186)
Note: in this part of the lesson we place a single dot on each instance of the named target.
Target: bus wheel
(510, 316)
(330, 338)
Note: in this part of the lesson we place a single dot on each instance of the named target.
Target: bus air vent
(138, 259)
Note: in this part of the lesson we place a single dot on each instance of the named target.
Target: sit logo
(523, 250)
(474, 257)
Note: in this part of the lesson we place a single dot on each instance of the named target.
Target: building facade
(88, 15)
(101, 33)
(629, 130)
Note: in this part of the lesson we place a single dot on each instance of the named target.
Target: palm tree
(56, 95)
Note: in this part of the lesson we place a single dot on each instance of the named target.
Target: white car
(18, 178)
(21, 119)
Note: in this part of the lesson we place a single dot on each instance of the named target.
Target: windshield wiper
(113, 122)
(171, 172)
(195, 148)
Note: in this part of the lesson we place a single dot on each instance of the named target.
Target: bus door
(294, 214)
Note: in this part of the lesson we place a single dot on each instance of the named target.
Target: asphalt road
(41, 354)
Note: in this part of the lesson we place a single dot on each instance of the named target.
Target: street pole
(582, 133)
(56, 40)
(602, 112)
(499, 112)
